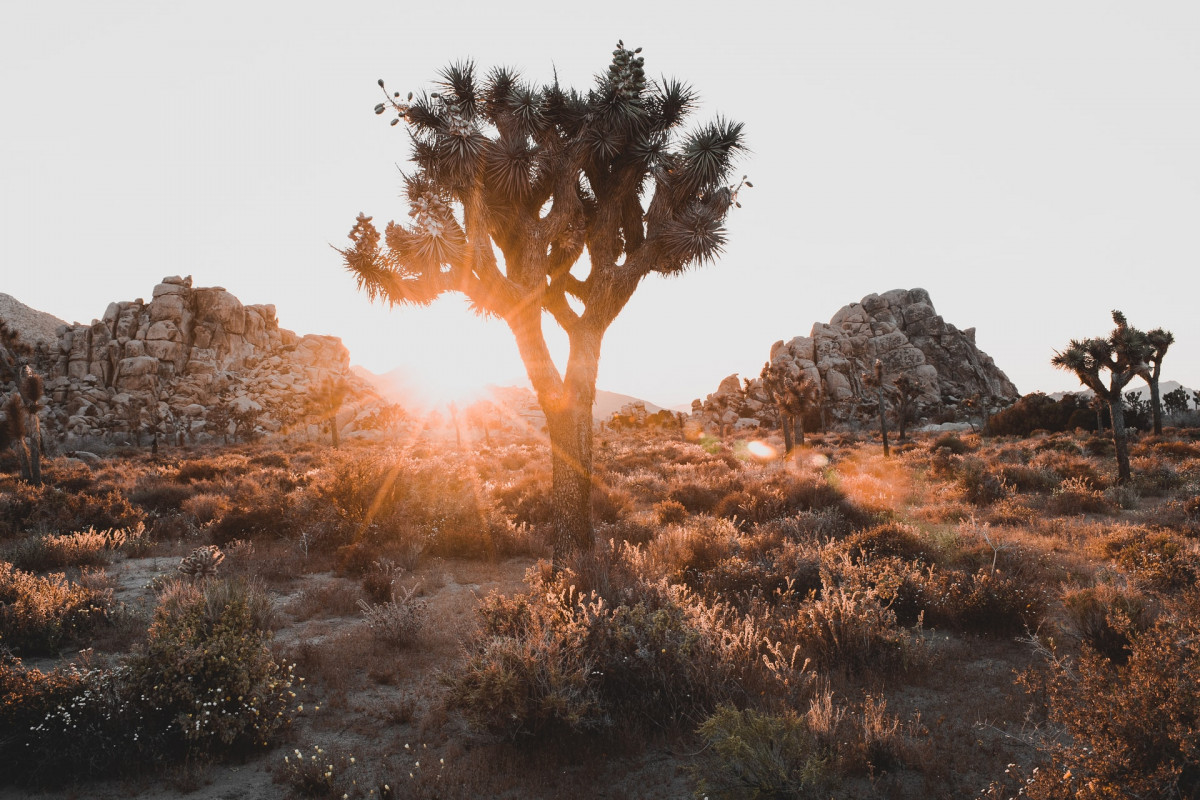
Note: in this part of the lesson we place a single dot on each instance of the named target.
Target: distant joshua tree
(22, 426)
(793, 396)
(1124, 355)
(875, 381)
(1175, 401)
(908, 389)
(1160, 341)
(327, 398)
(515, 183)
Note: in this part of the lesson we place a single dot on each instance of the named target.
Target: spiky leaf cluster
(515, 181)
(1124, 354)
(791, 394)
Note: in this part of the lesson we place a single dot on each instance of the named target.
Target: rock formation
(901, 329)
(187, 362)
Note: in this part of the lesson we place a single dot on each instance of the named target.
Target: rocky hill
(901, 329)
(33, 326)
(194, 362)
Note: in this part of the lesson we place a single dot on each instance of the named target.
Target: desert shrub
(749, 754)
(272, 520)
(274, 459)
(527, 498)
(1134, 730)
(1013, 511)
(1105, 616)
(1038, 411)
(83, 548)
(696, 498)
(850, 630)
(610, 504)
(1025, 478)
(40, 614)
(984, 602)
(209, 684)
(1154, 477)
(1155, 559)
(65, 725)
(1078, 496)
(669, 512)
(890, 539)
(50, 508)
(158, 494)
(684, 552)
(207, 469)
(322, 773)
(981, 484)
(558, 660)
(398, 621)
(950, 443)
(205, 506)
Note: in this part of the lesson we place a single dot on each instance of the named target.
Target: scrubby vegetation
(833, 624)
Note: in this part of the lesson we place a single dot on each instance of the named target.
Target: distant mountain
(33, 326)
(398, 387)
(1137, 386)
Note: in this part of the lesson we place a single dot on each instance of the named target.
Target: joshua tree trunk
(1155, 403)
(333, 430)
(786, 425)
(798, 429)
(1117, 410)
(35, 449)
(883, 423)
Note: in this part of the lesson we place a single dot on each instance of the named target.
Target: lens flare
(759, 449)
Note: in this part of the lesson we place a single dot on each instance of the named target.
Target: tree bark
(883, 424)
(35, 449)
(1155, 404)
(333, 431)
(1120, 441)
(786, 427)
(798, 429)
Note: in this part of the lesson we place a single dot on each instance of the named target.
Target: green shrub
(751, 755)
(209, 684)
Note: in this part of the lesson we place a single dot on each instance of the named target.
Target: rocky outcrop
(184, 362)
(901, 329)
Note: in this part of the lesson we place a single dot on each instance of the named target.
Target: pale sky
(1031, 164)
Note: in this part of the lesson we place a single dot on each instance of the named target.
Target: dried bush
(950, 443)
(158, 494)
(1158, 560)
(1105, 616)
(397, 622)
(206, 506)
(90, 548)
(1134, 730)
(1077, 496)
(749, 754)
(891, 539)
(556, 660)
(38, 615)
(850, 629)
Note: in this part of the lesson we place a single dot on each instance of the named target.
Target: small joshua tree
(1124, 355)
(327, 398)
(793, 396)
(1159, 341)
(22, 426)
(908, 390)
(875, 381)
(1175, 401)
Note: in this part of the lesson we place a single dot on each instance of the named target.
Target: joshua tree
(327, 398)
(875, 381)
(1124, 355)
(908, 389)
(514, 184)
(1098, 405)
(14, 353)
(1159, 341)
(1175, 401)
(793, 396)
(22, 426)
